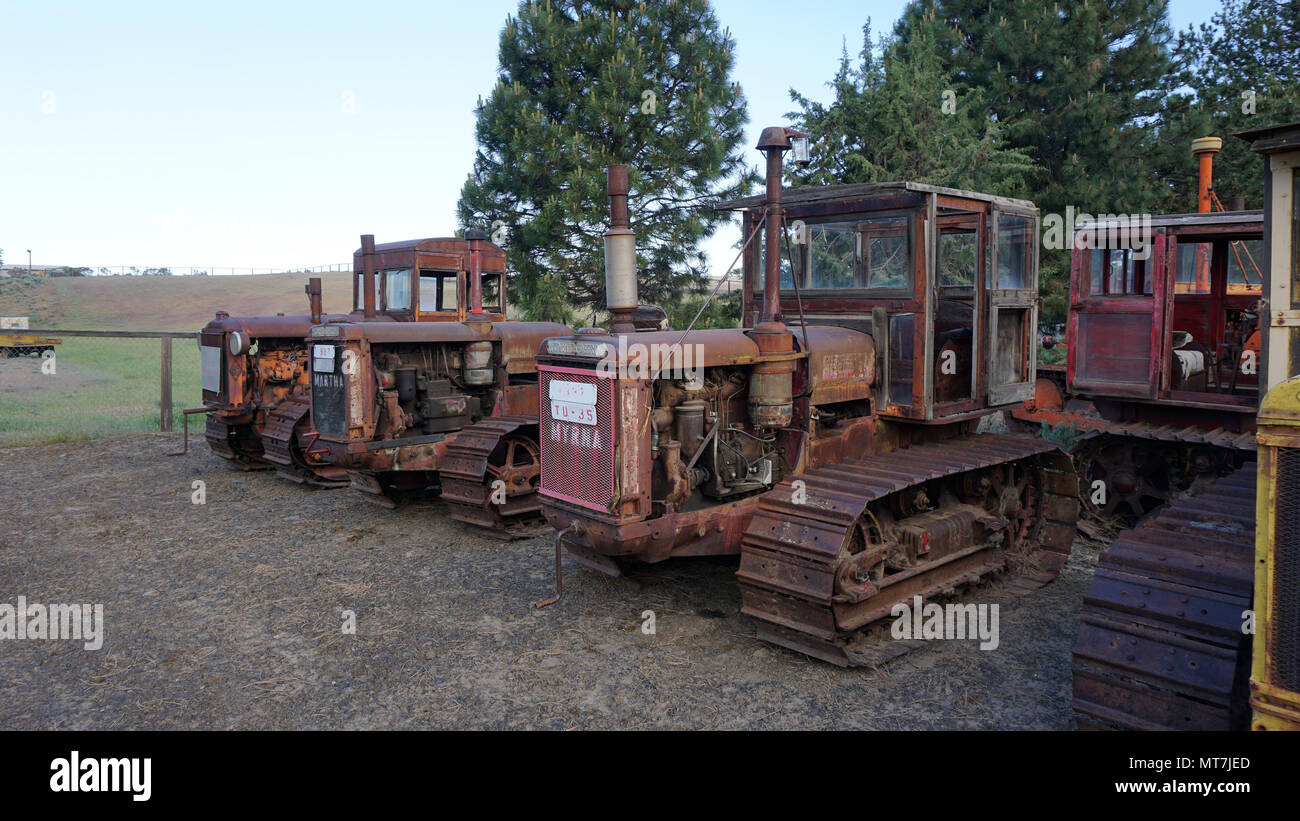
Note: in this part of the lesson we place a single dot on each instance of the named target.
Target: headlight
(237, 343)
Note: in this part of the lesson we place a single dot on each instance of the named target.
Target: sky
(272, 134)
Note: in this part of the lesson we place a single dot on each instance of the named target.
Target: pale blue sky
(217, 134)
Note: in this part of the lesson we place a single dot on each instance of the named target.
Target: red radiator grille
(578, 459)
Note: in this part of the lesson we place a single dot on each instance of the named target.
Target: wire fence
(85, 384)
(168, 270)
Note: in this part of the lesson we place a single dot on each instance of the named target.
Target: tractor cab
(945, 282)
(1168, 312)
(429, 280)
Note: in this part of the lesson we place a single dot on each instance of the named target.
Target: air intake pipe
(620, 256)
(475, 238)
(314, 297)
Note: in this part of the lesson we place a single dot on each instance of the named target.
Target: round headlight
(237, 342)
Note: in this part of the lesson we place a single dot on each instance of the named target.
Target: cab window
(358, 290)
(397, 289)
(1015, 251)
(1245, 258)
(438, 291)
(873, 254)
(491, 284)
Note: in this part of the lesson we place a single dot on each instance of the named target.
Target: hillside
(175, 303)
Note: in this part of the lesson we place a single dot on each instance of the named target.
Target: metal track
(1161, 644)
(1004, 504)
(1191, 435)
(223, 440)
(279, 443)
(480, 456)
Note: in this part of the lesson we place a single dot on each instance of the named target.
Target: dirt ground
(228, 615)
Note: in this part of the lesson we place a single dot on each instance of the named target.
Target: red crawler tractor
(255, 374)
(832, 443)
(1162, 370)
(1163, 383)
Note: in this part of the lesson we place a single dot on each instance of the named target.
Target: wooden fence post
(166, 384)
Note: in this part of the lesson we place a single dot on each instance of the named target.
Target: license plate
(576, 412)
(582, 393)
(322, 358)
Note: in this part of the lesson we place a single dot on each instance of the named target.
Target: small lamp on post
(799, 152)
(29, 262)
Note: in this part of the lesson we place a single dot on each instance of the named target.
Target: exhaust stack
(620, 256)
(368, 275)
(771, 385)
(1205, 148)
(313, 295)
(475, 237)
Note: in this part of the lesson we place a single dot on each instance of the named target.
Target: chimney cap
(777, 137)
(475, 233)
(1206, 144)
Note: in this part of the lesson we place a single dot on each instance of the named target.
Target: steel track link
(1160, 645)
(793, 549)
(221, 439)
(467, 474)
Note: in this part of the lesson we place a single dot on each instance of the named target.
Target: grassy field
(162, 303)
(100, 387)
(103, 387)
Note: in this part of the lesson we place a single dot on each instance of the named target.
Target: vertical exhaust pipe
(771, 386)
(313, 296)
(475, 237)
(1204, 149)
(773, 143)
(368, 275)
(620, 256)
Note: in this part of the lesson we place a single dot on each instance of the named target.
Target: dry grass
(177, 303)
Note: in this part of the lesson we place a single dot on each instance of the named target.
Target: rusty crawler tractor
(407, 407)
(837, 456)
(1164, 639)
(1163, 353)
(255, 369)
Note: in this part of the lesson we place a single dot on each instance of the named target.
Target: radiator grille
(578, 459)
(1284, 620)
(329, 413)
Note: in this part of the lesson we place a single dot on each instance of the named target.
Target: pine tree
(1077, 84)
(897, 116)
(1244, 71)
(588, 83)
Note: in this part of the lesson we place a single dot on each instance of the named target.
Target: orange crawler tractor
(402, 408)
(831, 442)
(255, 369)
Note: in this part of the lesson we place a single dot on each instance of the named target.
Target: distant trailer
(20, 344)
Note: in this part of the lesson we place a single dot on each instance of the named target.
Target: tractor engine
(362, 391)
(432, 389)
(655, 440)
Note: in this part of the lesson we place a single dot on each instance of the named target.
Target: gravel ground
(228, 615)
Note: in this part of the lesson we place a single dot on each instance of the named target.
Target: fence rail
(172, 270)
(165, 337)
